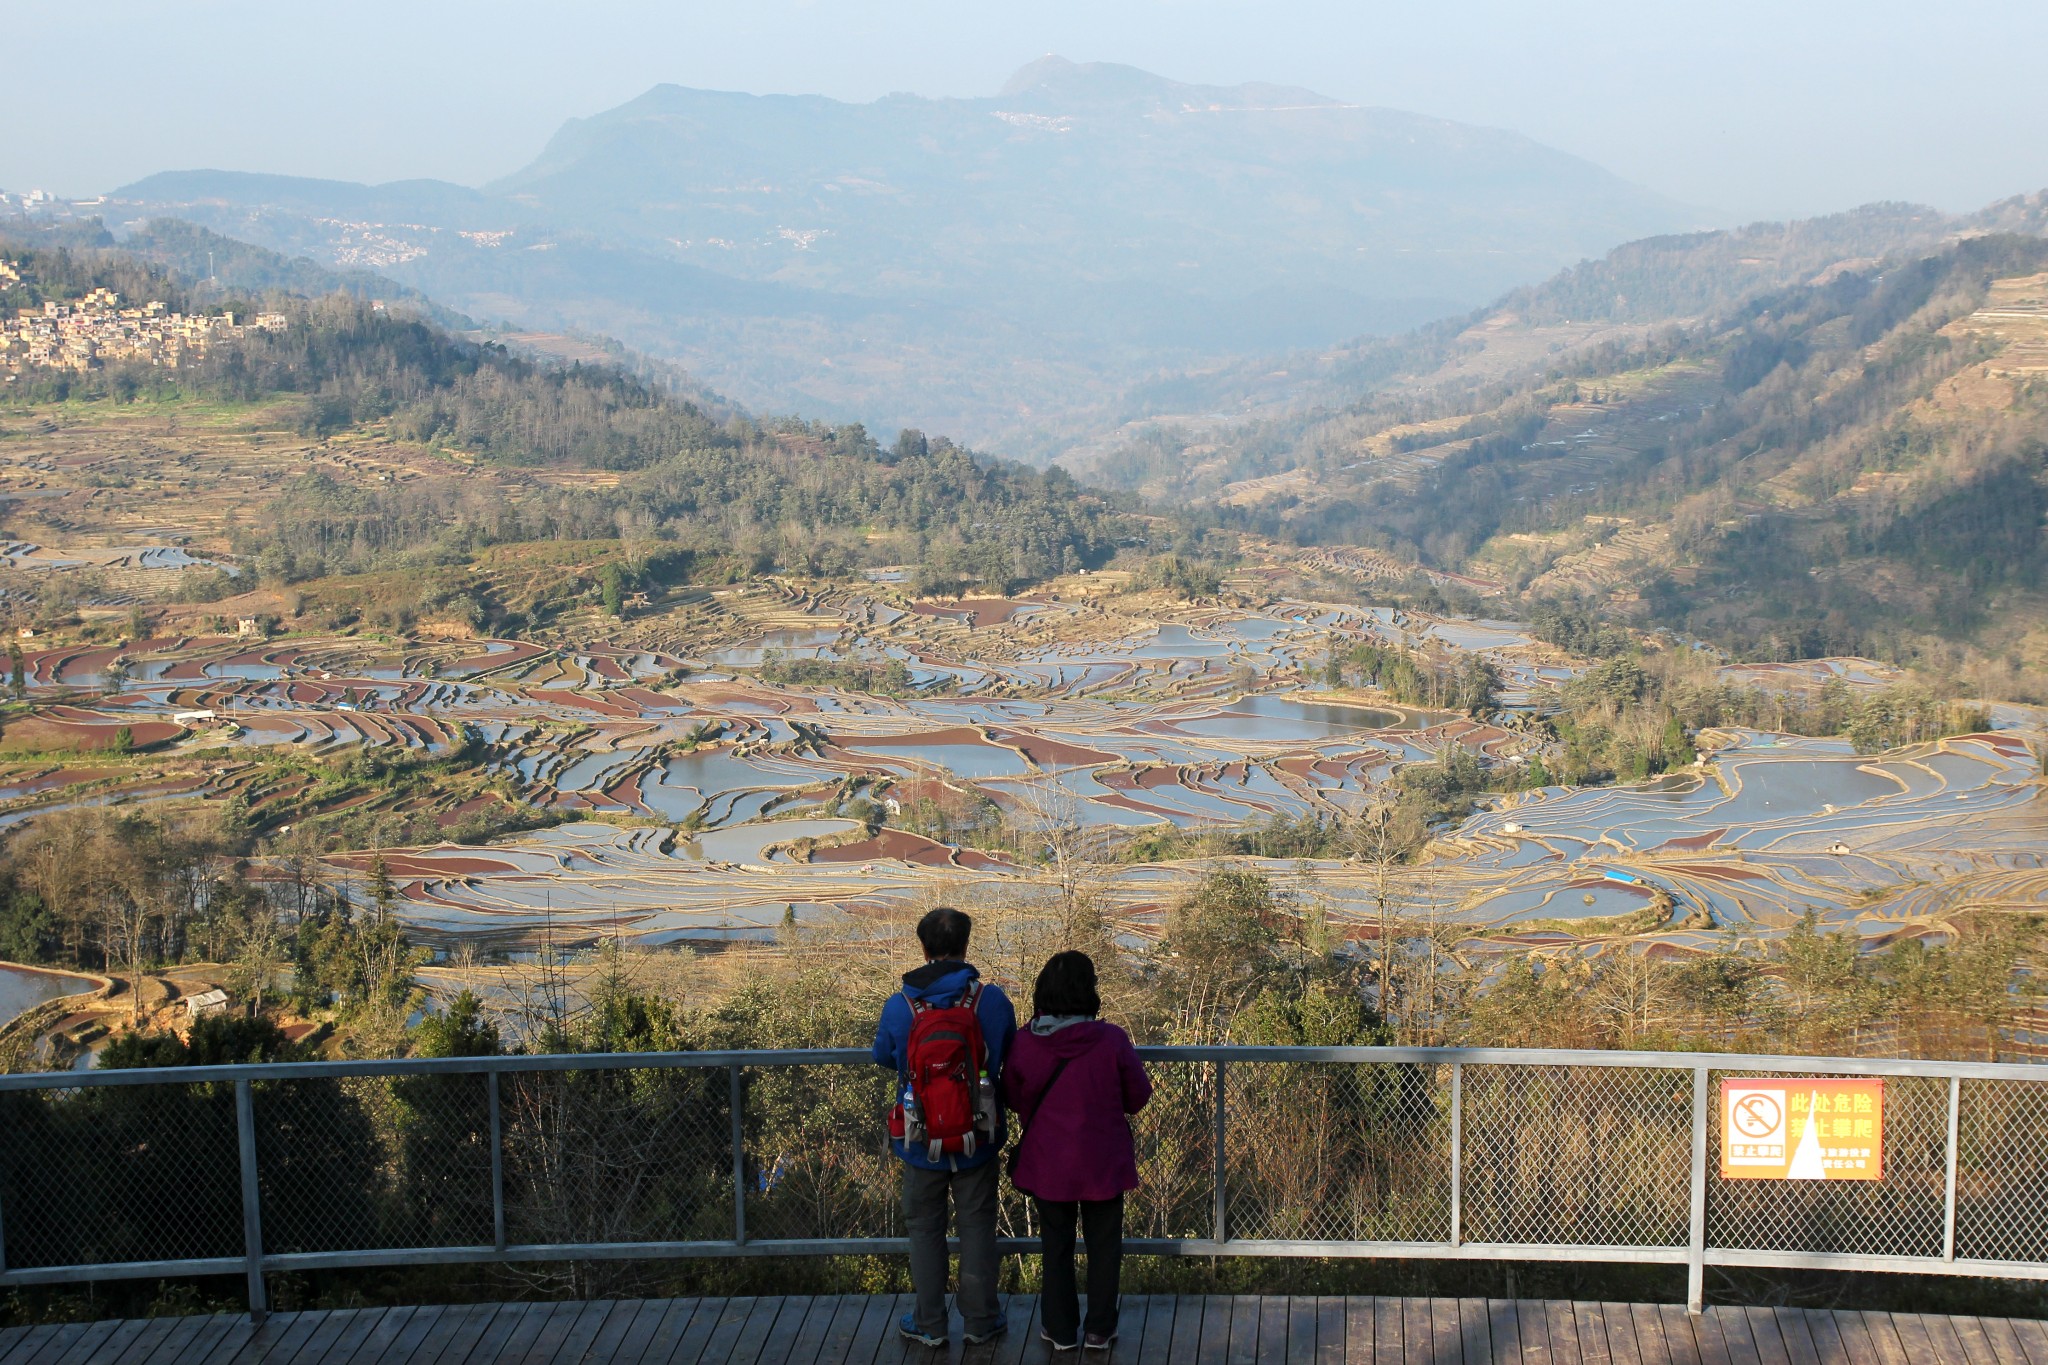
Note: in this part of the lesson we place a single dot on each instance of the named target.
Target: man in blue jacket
(969, 1177)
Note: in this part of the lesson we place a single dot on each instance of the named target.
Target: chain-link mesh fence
(617, 1154)
(2002, 1171)
(1901, 1215)
(818, 1161)
(1558, 1151)
(363, 1162)
(1339, 1152)
(1577, 1155)
(127, 1173)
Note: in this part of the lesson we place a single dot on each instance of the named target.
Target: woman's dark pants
(1102, 1227)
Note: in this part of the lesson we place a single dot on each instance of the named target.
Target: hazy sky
(1751, 109)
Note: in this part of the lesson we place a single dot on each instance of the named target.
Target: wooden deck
(852, 1330)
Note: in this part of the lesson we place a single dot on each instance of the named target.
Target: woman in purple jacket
(1073, 1080)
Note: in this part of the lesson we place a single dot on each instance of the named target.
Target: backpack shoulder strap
(970, 999)
(918, 1005)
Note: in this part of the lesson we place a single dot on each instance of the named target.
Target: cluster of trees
(1634, 715)
(127, 892)
(1433, 676)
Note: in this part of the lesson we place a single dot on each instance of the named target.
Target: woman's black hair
(1066, 985)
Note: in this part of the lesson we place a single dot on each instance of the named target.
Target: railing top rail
(845, 1056)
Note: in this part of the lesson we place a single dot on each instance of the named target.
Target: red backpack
(950, 1102)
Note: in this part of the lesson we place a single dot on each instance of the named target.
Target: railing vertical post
(497, 1165)
(739, 1153)
(1457, 1153)
(1696, 1242)
(1948, 1216)
(252, 1200)
(1222, 1127)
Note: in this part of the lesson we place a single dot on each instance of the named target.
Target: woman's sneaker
(1046, 1337)
(1096, 1341)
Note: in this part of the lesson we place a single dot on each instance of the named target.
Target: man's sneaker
(1096, 1341)
(906, 1327)
(1046, 1337)
(994, 1333)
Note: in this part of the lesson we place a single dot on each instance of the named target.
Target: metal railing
(1442, 1153)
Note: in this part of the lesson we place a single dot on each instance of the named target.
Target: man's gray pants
(924, 1217)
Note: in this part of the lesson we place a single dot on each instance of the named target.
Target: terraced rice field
(704, 799)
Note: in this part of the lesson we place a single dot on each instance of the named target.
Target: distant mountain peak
(1061, 81)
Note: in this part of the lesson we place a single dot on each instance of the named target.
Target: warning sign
(1789, 1129)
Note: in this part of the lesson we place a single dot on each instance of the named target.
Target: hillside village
(97, 330)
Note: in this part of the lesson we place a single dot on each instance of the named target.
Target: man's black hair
(944, 931)
(1066, 985)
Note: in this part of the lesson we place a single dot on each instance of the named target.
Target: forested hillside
(1812, 452)
(671, 474)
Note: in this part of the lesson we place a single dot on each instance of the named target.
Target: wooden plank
(1504, 1331)
(332, 1328)
(179, 1331)
(1856, 1343)
(1763, 1331)
(1592, 1324)
(353, 1323)
(263, 1337)
(770, 1331)
(720, 1343)
(1532, 1329)
(64, 1343)
(1022, 1338)
(1162, 1311)
(1132, 1311)
(187, 1338)
(543, 1337)
(1475, 1331)
(112, 1347)
(604, 1347)
(1797, 1336)
(653, 1334)
(19, 1345)
(1390, 1332)
(1244, 1329)
(1301, 1330)
(1332, 1339)
(145, 1342)
(877, 1318)
(1562, 1325)
(1447, 1330)
(1913, 1339)
(1736, 1337)
(1679, 1342)
(499, 1334)
(583, 1330)
(1884, 1337)
(1713, 1344)
(428, 1330)
(1621, 1334)
(430, 1336)
(1214, 1342)
(1976, 1347)
(692, 1340)
(809, 1334)
(1185, 1341)
(1942, 1338)
(229, 1344)
(482, 1329)
(1268, 1328)
(2032, 1337)
(13, 1339)
(2004, 1343)
(1649, 1327)
(1827, 1337)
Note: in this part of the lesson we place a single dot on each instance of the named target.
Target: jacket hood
(939, 982)
(1074, 1039)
